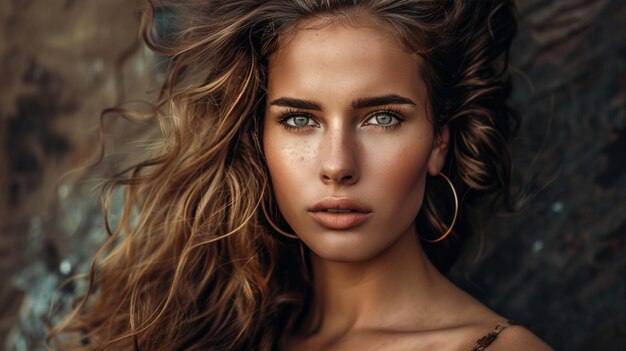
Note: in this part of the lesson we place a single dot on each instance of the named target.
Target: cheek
(406, 167)
(399, 175)
(289, 165)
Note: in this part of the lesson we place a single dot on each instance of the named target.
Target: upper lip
(339, 203)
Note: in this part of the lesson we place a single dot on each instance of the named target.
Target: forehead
(334, 58)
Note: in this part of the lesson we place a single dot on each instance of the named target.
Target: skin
(374, 288)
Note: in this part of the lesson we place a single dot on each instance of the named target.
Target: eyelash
(284, 116)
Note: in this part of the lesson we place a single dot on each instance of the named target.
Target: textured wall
(61, 63)
(558, 265)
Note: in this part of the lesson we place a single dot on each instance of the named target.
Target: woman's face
(346, 118)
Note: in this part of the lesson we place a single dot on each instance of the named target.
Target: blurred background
(558, 265)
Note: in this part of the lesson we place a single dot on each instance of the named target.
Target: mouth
(340, 213)
(340, 210)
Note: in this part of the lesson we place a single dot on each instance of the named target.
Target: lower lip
(340, 220)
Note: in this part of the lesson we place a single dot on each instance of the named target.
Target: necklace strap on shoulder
(486, 340)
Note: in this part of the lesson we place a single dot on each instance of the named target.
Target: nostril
(339, 179)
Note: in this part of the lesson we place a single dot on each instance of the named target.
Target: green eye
(300, 121)
(296, 121)
(384, 119)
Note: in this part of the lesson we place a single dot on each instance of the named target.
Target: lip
(344, 203)
(340, 220)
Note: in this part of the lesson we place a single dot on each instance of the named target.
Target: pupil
(383, 119)
(300, 120)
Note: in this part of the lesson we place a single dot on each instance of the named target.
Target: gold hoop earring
(292, 236)
(456, 212)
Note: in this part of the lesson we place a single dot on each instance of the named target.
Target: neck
(397, 286)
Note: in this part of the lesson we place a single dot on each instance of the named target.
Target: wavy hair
(192, 262)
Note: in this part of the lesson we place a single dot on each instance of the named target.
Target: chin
(345, 247)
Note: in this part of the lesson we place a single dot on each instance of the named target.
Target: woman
(320, 164)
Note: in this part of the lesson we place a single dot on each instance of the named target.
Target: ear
(439, 151)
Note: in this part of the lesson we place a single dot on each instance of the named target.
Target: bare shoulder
(518, 338)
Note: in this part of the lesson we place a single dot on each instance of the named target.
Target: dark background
(559, 264)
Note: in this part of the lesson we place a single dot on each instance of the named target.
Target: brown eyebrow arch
(296, 103)
(391, 99)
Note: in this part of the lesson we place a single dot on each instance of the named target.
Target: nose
(338, 153)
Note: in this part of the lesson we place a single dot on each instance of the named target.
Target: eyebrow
(391, 99)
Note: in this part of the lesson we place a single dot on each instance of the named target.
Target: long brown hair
(192, 262)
